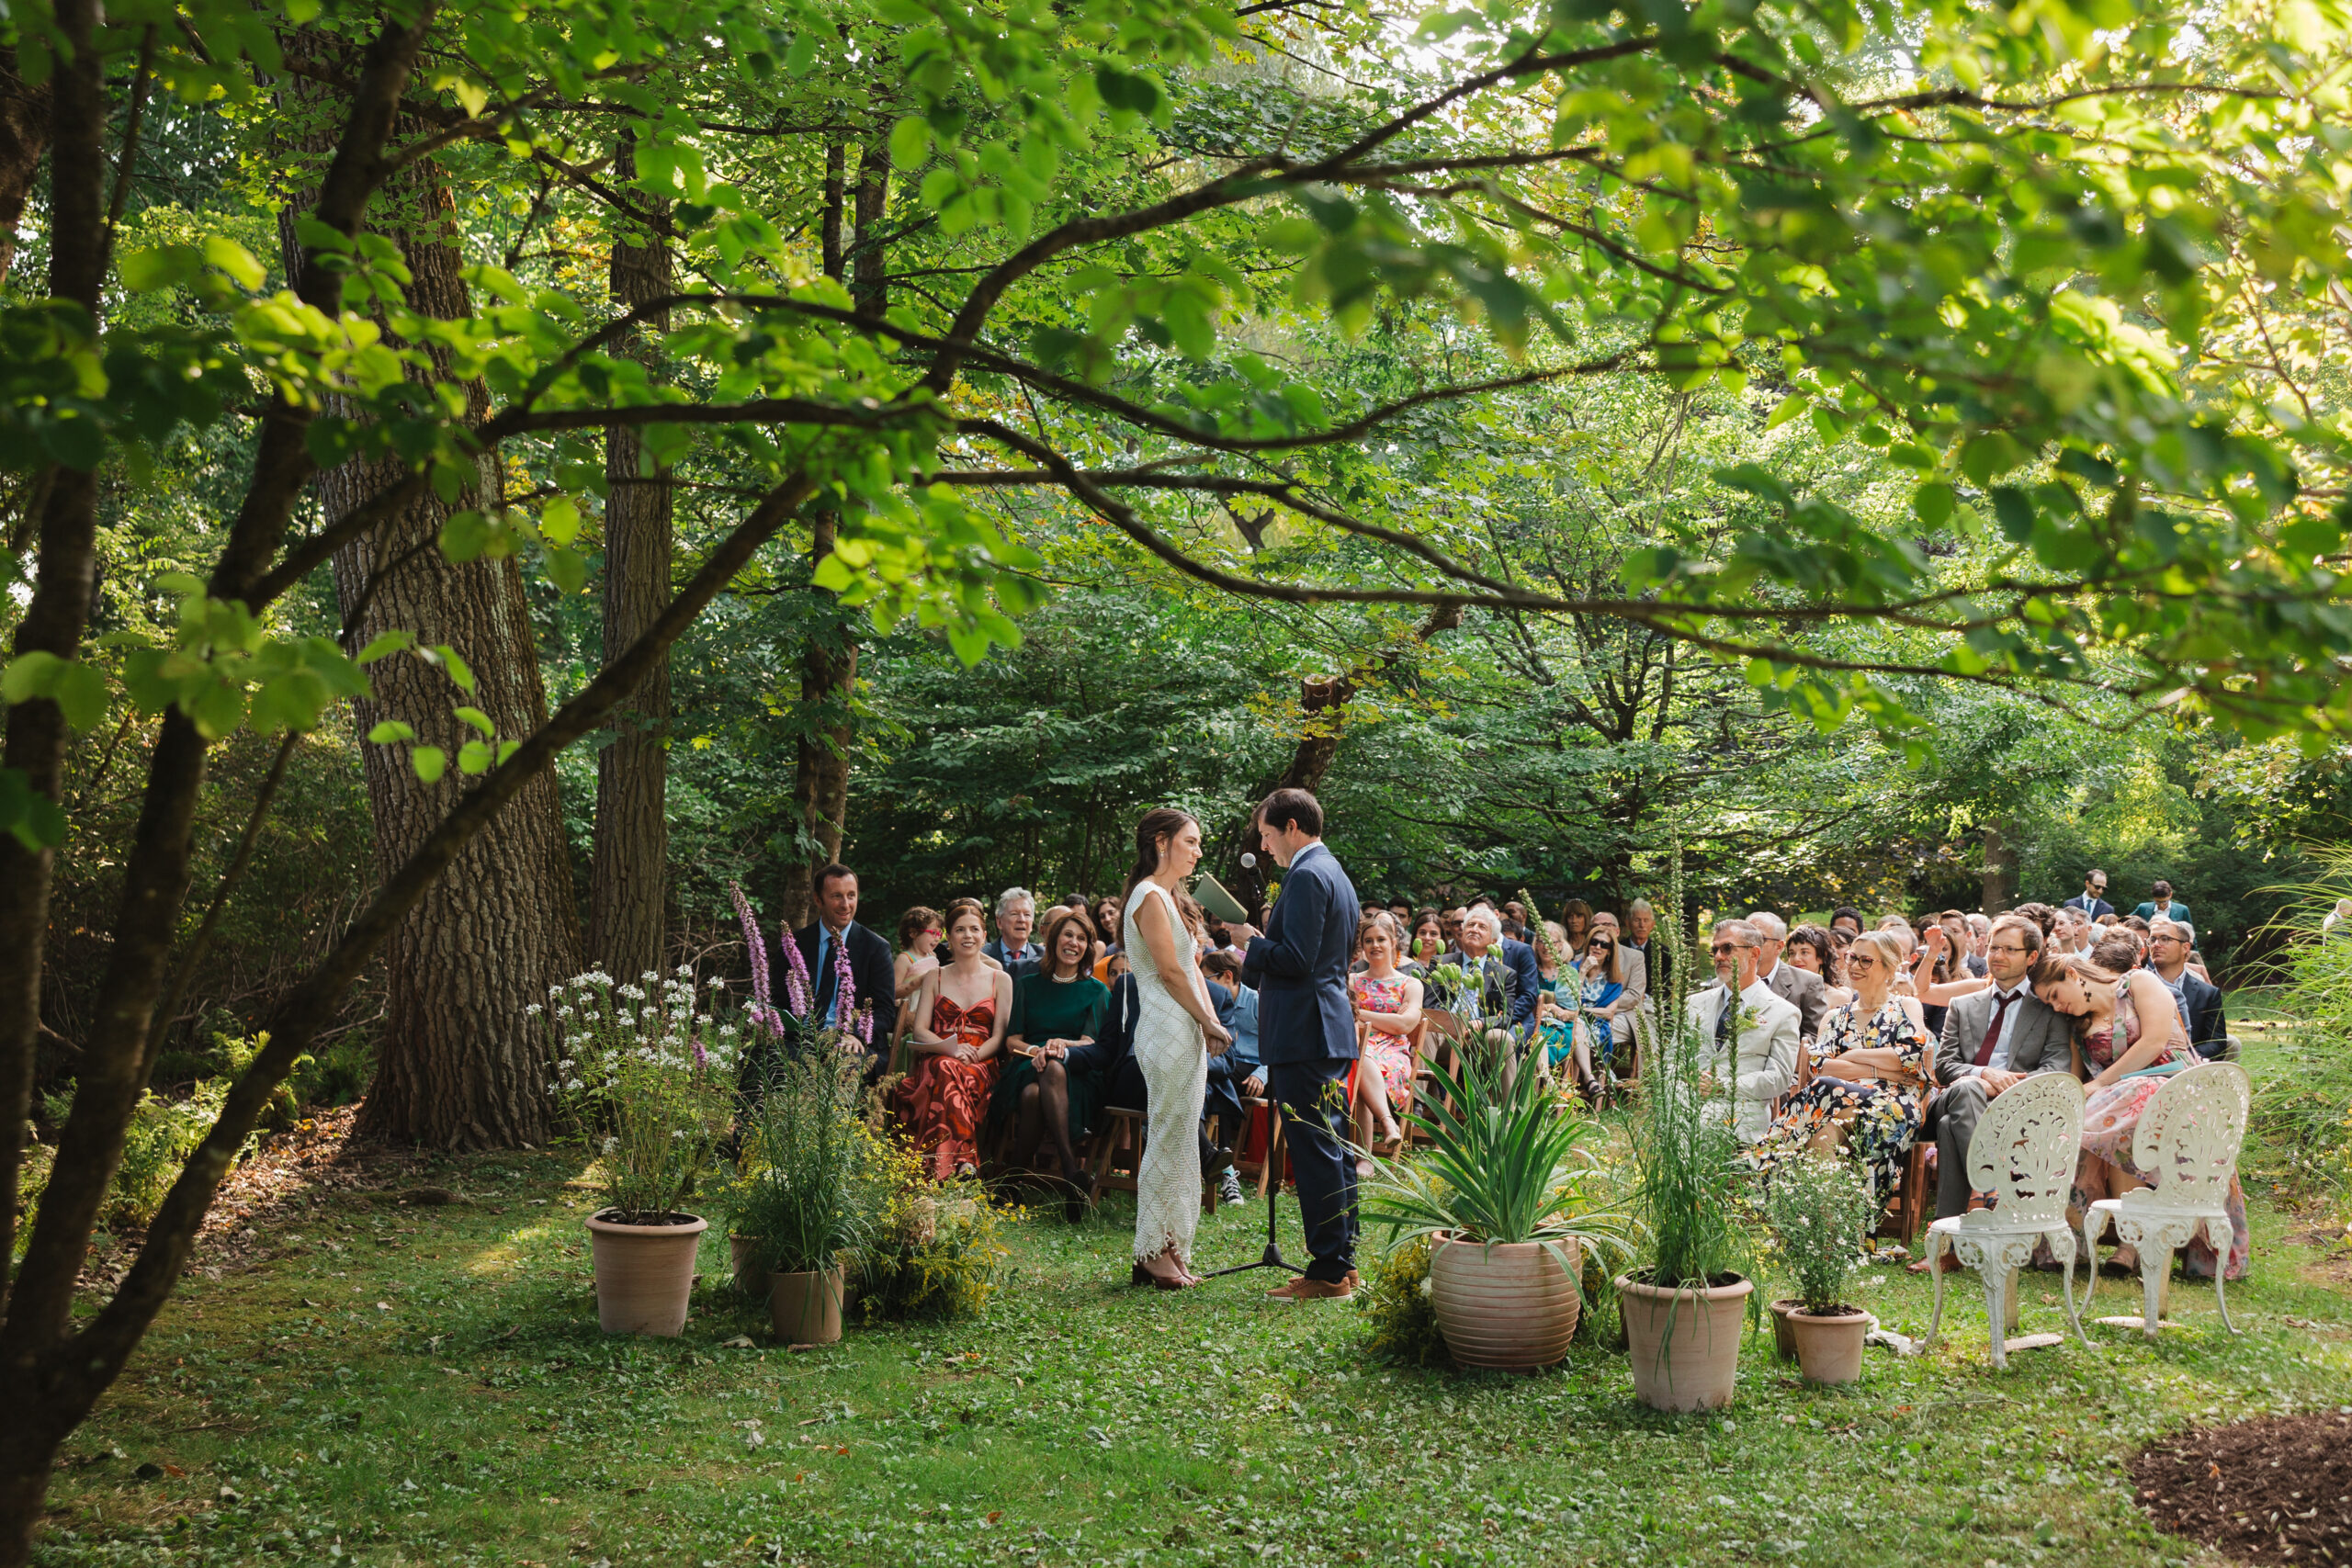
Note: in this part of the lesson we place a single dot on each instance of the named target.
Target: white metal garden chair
(2023, 1154)
(2188, 1143)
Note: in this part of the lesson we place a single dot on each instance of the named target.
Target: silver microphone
(1249, 861)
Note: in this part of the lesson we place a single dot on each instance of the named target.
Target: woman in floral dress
(2125, 1023)
(1388, 1015)
(1869, 1091)
(958, 1045)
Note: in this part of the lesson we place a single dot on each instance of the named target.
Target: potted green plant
(808, 1191)
(1682, 1309)
(1502, 1196)
(1817, 1208)
(648, 1079)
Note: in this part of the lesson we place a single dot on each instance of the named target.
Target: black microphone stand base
(1273, 1257)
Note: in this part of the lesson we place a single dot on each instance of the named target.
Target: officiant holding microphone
(1307, 1032)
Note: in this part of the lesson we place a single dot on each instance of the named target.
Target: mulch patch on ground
(2276, 1490)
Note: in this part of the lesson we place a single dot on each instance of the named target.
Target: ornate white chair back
(2188, 1139)
(2024, 1150)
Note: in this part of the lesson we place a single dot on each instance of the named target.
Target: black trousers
(1315, 1116)
(1223, 1100)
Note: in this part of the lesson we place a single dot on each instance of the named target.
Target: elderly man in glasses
(1748, 1035)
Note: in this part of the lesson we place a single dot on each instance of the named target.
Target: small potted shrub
(808, 1191)
(1684, 1308)
(1501, 1197)
(650, 1081)
(1817, 1208)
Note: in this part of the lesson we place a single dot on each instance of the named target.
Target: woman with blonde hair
(1869, 1091)
(1387, 1004)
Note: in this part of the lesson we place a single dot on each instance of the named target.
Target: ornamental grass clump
(648, 1079)
(1817, 1209)
(812, 1181)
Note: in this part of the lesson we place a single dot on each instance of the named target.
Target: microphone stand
(1273, 1257)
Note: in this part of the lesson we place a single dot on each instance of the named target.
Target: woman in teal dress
(1058, 1006)
(1578, 1008)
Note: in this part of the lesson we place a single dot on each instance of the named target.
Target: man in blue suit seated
(1236, 1075)
(1306, 1033)
(1502, 973)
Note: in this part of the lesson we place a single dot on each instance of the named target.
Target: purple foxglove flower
(844, 988)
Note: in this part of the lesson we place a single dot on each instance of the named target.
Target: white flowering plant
(645, 1072)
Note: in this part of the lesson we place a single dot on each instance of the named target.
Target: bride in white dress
(1176, 1032)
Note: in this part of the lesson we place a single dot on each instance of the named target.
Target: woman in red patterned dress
(958, 1045)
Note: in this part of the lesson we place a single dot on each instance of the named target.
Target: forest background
(1464, 748)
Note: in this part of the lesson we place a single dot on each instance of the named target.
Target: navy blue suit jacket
(1300, 965)
(1526, 981)
(2209, 1030)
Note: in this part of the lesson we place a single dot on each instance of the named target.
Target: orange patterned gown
(944, 1101)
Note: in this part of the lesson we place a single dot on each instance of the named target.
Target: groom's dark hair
(1292, 808)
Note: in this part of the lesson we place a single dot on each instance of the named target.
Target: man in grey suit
(1786, 981)
(1992, 1039)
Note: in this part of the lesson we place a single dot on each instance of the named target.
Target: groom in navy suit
(1306, 1033)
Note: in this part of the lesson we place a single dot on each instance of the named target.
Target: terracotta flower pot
(1784, 1343)
(1829, 1348)
(1684, 1344)
(1509, 1306)
(644, 1273)
(806, 1308)
(738, 1255)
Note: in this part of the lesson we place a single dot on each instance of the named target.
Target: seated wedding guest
(2162, 906)
(1515, 921)
(1750, 1032)
(1963, 946)
(1429, 944)
(2169, 944)
(1112, 967)
(1387, 1003)
(2122, 1025)
(961, 1013)
(1575, 918)
(1499, 976)
(1582, 1004)
(1848, 918)
(919, 934)
(1870, 1074)
(1980, 939)
(1992, 1041)
(2338, 920)
(1237, 1074)
(2041, 915)
(2070, 930)
(1797, 986)
(872, 986)
(1107, 915)
(1633, 1001)
(1057, 1008)
(1840, 939)
(1016, 914)
(1641, 934)
(1450, 921)
(1811, 948)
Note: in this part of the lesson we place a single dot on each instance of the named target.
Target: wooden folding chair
(1118, 1155)
(1906, 1211)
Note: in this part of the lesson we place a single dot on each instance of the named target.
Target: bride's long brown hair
(1163, 822)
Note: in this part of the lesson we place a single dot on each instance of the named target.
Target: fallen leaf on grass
(741, 1342)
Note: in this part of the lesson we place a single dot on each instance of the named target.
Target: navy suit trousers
(1313, 1103)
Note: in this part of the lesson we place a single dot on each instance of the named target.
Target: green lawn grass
(391, 1384)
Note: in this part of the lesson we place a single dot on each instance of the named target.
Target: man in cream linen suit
(1761, 1064)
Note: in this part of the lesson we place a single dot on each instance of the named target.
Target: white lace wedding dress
(1173, 1055)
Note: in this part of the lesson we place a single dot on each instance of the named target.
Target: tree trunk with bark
(24, 137)
(459, 1065)
(2000, 872)
(628, 891)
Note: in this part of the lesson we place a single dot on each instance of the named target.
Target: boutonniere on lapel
(1747, 1017)
(1273, 894)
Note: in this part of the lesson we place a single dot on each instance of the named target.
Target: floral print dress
(2111, 1119)
(1881, 1119)
(1390, 1054)
(943, 1102)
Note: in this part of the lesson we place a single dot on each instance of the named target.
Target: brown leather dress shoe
(1305, 1290)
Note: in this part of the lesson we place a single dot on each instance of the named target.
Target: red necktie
(1993, 1034)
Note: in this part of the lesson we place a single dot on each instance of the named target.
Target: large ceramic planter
(1829, 1348)
(1684, 1344)
(806, 1308)
(1509, 1306)
(644, 1273)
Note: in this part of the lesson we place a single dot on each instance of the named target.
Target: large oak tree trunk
(459, 1065)
(627, 896)
(24, 137)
